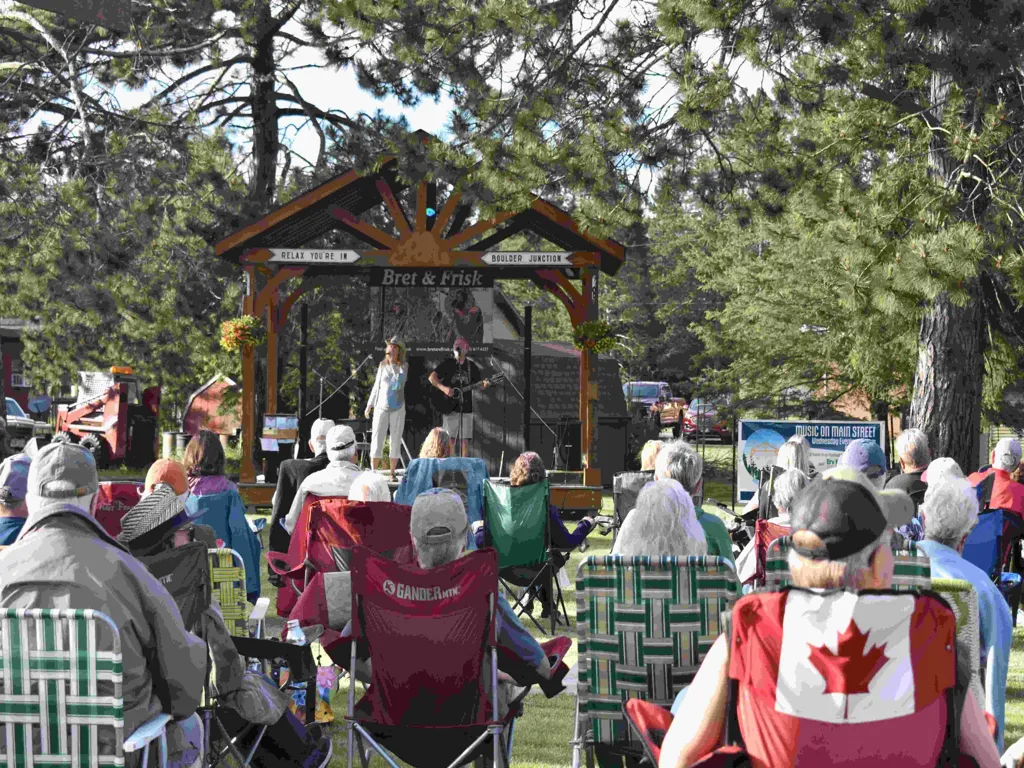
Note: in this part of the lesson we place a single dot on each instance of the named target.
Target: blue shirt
(10, 527)
(994, 618)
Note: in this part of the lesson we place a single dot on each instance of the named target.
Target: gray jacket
(64, 559)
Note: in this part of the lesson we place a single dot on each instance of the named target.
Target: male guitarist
(457, 377)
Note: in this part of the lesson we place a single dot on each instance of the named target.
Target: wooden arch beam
(558, 285)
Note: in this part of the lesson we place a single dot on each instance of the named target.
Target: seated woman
(214, 501)
(529, 469)
(787, 486)
(649, 454)
(161, 522)
(369, 486)
(438, 445)
(663, 523)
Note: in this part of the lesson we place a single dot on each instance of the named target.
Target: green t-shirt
(717, 535)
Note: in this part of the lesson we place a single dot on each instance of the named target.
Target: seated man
(1007, 494)
(950, 511)
(335, 480)
(160, 522)
(915, 456)
(64, 559)
(13, 488)
(841, 530)
(289, 477)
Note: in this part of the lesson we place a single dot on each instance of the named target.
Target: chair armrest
(145, 733)
(259, 613)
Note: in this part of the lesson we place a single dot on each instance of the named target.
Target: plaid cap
(61, 471)
(157, 514)
(14, 478)
(863, 454)
(843, 509)
(438, 516)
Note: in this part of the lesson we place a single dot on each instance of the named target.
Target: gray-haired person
(914, 457)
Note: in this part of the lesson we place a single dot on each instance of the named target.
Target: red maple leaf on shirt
(850, 670)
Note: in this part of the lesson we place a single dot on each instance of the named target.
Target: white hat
(340, 437)
(1007, 453)
(318, 433)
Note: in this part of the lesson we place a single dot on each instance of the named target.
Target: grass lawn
(543, 734)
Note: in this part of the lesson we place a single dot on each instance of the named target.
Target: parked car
(702, 419)
(641, 395)
(21, 428)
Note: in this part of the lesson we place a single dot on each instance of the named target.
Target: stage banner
(429, 318)
(758, 443)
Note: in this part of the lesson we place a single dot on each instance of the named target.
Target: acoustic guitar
(450, 403)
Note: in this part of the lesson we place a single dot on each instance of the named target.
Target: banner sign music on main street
(758, 443)
(430, 277)
(312, 256)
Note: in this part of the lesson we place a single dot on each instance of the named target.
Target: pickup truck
(20, 428)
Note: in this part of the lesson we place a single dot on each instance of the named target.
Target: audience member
(841, 529)
(648, 454)
(795, 453)
(438, 445)
(159, 523)
(369, 486)
(679, 461)
(663, 523)
(335, 480)
(214, 501)
(787, 486)
(866, 456)
(528, 469)
(950, 511)
(1007, 495)
(289, 477)
(64, 559)
(914, 457)
(13, 488)
(941, 467)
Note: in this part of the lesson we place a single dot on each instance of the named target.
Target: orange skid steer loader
(112, 418)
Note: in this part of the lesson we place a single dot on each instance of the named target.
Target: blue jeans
(679, 700)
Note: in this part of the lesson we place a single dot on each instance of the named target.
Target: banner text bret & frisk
(430, 278)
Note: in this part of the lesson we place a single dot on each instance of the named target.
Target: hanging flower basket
(594, 335)
(241, 332)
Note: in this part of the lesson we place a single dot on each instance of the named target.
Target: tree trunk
(263, 100)
(948, 381)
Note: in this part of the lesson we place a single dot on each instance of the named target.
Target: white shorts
(385, 422)
(452, 426)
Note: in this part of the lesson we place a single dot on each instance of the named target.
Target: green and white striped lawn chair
(644, 626)
(911, 569)
(61, 695)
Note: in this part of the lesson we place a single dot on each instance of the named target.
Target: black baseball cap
(843, 509)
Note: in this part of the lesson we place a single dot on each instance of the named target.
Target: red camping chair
(433, 640)
(764, 534)
(113, 500)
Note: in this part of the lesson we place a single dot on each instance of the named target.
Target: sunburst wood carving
(416, 244)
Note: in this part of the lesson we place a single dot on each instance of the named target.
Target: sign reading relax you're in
(312, 256)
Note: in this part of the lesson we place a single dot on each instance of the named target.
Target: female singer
(388, 398)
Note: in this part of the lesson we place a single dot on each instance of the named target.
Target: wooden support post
(272, 355)
(588, 386)
(247, 470)
(303, 377)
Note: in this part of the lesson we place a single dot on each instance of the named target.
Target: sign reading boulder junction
(430, 278)
(312, 256)
(527, 258)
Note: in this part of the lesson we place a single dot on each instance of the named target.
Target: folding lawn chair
(911, 570)
(113, 500)
(764, 534)
(290, 565)
(517, 524)
(227, 580)
(963, 599)
(433, 700)
(61, 700)
(626, 486)
(644, 626)
(985, 548)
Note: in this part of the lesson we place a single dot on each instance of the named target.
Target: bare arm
(697, 727)
(435, 381)
(975, 739)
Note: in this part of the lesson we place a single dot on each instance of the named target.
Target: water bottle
(295, 634)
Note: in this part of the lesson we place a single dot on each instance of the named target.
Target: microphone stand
(319, 405)
(532, 409)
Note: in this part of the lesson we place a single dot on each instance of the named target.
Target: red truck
(112, 418)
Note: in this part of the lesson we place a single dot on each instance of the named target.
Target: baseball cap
(169, 472)
(843, 509)
(461, 343)
(942, 466)
(340, 437)
(156, 515)
(318, 432)
(14, 478)
(1007, 452)
(865, 456)
(61, 471)
(438, 516)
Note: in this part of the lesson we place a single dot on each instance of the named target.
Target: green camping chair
(911, 570)
(644, 625)
(518, 525)
(61, 698)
